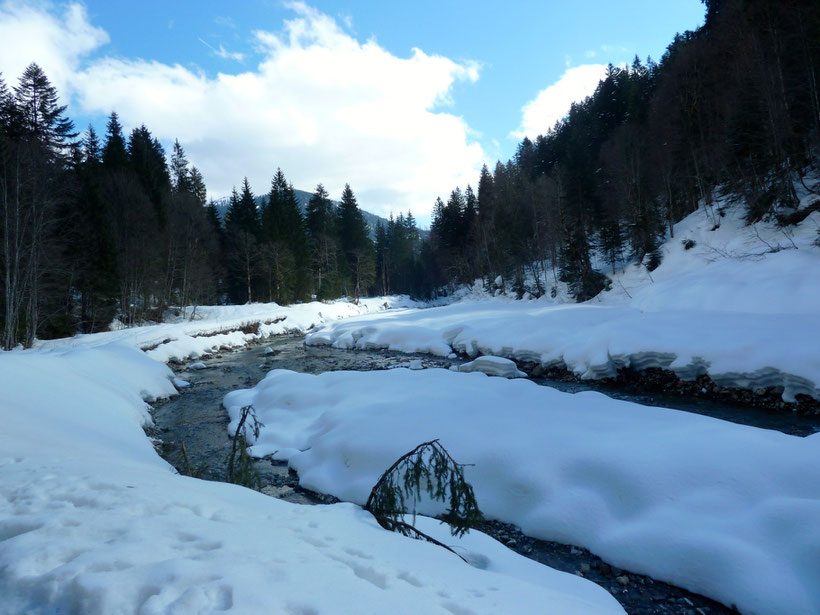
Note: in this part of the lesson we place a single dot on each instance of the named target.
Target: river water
(196, 419)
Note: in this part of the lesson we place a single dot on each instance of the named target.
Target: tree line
(94, 229)
(731, 110)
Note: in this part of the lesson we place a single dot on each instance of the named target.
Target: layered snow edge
(93, 521)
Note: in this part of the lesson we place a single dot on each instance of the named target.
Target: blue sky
(338, 92)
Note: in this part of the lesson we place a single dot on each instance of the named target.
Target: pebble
(623, 580)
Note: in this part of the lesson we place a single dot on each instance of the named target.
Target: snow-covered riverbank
(721, 509)
(227, 326)
(742, 305)
(93, 521)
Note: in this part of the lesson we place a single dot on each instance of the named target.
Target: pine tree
(41, 115)
(115, 155)
(198, 189)
(321, 229)
(357, 258)
(147, 158)
(92, 150)
(285, 244)
(241, 235)
(180, 175)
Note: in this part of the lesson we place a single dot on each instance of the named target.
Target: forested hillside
(731, 109)
(95, 228)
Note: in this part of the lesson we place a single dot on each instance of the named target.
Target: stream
(196, 419)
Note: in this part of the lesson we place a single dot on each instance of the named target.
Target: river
(197, 419)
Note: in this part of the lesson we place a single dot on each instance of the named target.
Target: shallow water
(196, 417)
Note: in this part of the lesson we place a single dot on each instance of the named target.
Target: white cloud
(320, 104)
(57, 43)
(553, 102)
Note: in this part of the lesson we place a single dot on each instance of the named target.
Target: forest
(96, 228)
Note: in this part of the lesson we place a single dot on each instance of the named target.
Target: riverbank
(579, 469)
(197, 417)
(93, 521)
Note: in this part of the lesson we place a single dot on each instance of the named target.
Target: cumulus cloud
(553, 102)
(57, 42)
(321, 104)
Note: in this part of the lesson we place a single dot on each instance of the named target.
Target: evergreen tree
(357, 262)
(198, 189)
(285, 244)
(323, 244)
(41, 115)
(180, 175)
(92, 150)
(115, 155)
(242, 231)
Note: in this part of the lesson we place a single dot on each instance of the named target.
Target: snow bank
(729, 511)
(758, 269)
(92, 521)
(218, 327)
(492, 366)
(742, 305)
(594, 341)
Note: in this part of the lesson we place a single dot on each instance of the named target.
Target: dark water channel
(197, 419)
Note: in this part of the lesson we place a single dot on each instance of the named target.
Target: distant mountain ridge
(302, 197)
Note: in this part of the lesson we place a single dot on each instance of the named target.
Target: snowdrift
(725, 510)
(742, 305)
(92, 521)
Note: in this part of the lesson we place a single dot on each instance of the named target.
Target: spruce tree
(198, 189)
(41, 115)
(241, 235)
(115, 155)
(321, 228)
(285, 244)
(180, 175)
(357, 260)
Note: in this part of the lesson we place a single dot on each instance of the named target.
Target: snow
(730, 307)
(726, 510)
(93, 521)
(219, 327)
(492, 366)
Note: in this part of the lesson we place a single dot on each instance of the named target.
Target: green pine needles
(427, 468)
(241, 470)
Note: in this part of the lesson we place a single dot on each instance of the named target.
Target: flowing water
(196, 419)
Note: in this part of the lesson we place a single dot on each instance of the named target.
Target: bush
(688, 244)
(653, 260)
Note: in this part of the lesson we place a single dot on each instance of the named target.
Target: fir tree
(115, 155)
(241, 236)
(321, 229)
(41, 115)
(180, 175)
(357, 258)
(198, 189)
